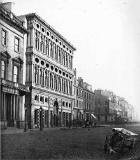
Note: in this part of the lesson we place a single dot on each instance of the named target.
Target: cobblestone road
(81, 143)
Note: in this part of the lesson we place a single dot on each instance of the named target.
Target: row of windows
(4, 71)
(47, 79)
(79, 104)
(83, 94)
(42, 29)
(88, 96)
(87, 106)
(52, 68)
(48, 47)
(4, 41)
(79, 92)
(44, 99)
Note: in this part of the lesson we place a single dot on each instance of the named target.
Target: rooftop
(51, 28)
(11, 17)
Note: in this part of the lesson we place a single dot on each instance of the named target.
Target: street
(56, 143)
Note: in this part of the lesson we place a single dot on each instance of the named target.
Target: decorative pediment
(18, 60)
(5, 54)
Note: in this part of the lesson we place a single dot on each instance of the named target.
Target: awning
(93, 115)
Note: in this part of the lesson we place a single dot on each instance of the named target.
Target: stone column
(49, 116)
(14, 110)
(4, 111)
(11, 110)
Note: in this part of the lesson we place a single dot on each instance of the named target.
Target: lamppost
(56, 112)
(25, 125)
(41, 119)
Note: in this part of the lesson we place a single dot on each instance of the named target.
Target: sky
(106, 34)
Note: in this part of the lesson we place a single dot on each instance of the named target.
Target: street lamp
(25, 125)
(41, 119)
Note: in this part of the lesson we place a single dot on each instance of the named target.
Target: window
(42, 99)
(3, 69)
(15, 75)
(16, 44)
(4, 37)
(36, 97)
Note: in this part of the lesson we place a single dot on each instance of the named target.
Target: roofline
(9, 19)
(51, 28)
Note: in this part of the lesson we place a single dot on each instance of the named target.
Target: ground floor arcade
(47, 109)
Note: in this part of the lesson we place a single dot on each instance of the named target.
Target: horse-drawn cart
(121, 140)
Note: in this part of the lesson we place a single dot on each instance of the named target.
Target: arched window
(51, 81)
(36, 74)
(51, 49)
(37, 40)
(46, 78)
(42, 44)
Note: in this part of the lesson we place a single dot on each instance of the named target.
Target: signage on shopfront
(10, 90)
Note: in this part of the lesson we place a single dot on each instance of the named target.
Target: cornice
(34, 15)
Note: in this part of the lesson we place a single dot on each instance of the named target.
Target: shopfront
(12, 104)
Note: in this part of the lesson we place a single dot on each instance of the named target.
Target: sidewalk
(12, 130)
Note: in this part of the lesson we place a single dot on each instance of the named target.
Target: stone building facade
(49, 75)
(78, 108)
(112, 108)
(88, 102)
(12, 68)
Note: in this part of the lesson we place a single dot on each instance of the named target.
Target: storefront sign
(10, 90)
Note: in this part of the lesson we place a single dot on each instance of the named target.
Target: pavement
(62, 143)
(13, 130)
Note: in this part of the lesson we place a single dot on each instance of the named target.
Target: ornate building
(12, 68)
(49, 74)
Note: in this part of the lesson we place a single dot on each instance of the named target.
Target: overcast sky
(106, 34)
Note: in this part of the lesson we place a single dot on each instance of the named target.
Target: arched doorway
(56, 116)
